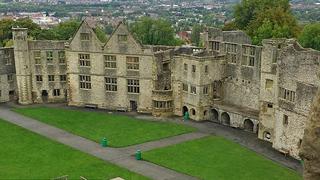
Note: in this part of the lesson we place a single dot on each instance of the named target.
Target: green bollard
(186, 116)
(104, 142)
(138, 155)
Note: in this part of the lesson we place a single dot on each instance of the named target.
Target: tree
(101, 35)
(66, 29)
(154, 32)
(195, 34)
(263, 19)
(310, 36)
(7, 24)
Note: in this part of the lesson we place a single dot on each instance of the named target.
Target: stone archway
(248, 125)
(225, 118)
(184, 110)
(214, 115)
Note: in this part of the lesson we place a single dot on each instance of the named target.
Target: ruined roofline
(289, 42)
(2, 48)
(215, 57)
(242, 44)
(54, 41)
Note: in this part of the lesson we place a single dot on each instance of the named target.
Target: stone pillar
(310, 151)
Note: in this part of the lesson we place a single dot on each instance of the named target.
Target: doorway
(133, 105)
(44, 96)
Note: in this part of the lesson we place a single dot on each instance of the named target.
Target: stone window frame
(37, 57)
(185, 67)
(206, 69)
(215, 45)
(287, 95)
(162, 104)
(84, 36)
(51, 78)
(122, 37)
(193, 89)
(285, 120)
(39, 78)
(269, 84)
(133, 86)
(132, 63)
(10, 77)
(231, 52)
(84, 60)
(248, 56)
(185, 87)
(49, 56)
(275, 55)
(62, 57)
(7, 57)
(85, 82)
(205, 90)
(110, 61)
(63, 78)
(166, 66)
(56, 92)
(111, 84)
(194, 68)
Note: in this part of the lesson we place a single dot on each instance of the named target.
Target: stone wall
(7, 75)
(310, 151)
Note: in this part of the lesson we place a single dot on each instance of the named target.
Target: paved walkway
(121, 157)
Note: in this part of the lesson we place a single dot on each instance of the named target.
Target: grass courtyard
(217, 158)
(26, 155)
(120, 130)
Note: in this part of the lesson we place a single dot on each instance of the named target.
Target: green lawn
(217, 158)
(120, 130)
(26, 155)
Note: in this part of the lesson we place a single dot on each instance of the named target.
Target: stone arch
(267, 136)
(193, 112)
(214, 115)
(225, 118)
(248, 125)
(184, 110)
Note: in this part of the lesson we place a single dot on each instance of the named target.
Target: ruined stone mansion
(265, 89)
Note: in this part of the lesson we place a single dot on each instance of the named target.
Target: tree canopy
(6, 28)
(63, 31)
(195, 34)
(262, 19)
(310, 36)
(154, 32)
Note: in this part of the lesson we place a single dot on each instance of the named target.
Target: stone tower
(22, 62)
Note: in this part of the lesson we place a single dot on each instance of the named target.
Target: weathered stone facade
(7, 75)
(265, 89)
(310, 151)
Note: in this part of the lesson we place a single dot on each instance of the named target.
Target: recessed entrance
(44, 95)
(248, 125)
(225, 118)
(214, 115)
(133, 105)
(184, 110)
